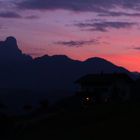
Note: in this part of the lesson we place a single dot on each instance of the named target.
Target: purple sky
(77, 28)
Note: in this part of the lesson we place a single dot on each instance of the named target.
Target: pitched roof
(103, 78)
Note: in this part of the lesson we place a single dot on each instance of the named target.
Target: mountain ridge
(57, 72)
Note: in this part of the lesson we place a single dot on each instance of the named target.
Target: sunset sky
(77, 28)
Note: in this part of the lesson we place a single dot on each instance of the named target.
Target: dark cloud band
(9, 15)
(104, 26)
(137, 48)
(77, 43)
(78, 5)
(118, 14)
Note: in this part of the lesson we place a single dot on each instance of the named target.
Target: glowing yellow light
(87, 98)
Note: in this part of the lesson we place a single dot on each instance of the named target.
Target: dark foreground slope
(116, 121)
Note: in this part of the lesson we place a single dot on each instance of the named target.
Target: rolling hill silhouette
(53, 74)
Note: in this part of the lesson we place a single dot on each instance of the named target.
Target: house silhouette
(98, 88)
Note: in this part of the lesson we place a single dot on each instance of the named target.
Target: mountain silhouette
(53, 74)
(9, 51)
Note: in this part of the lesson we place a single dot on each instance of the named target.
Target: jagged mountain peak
(11, 40)
(9, 51)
